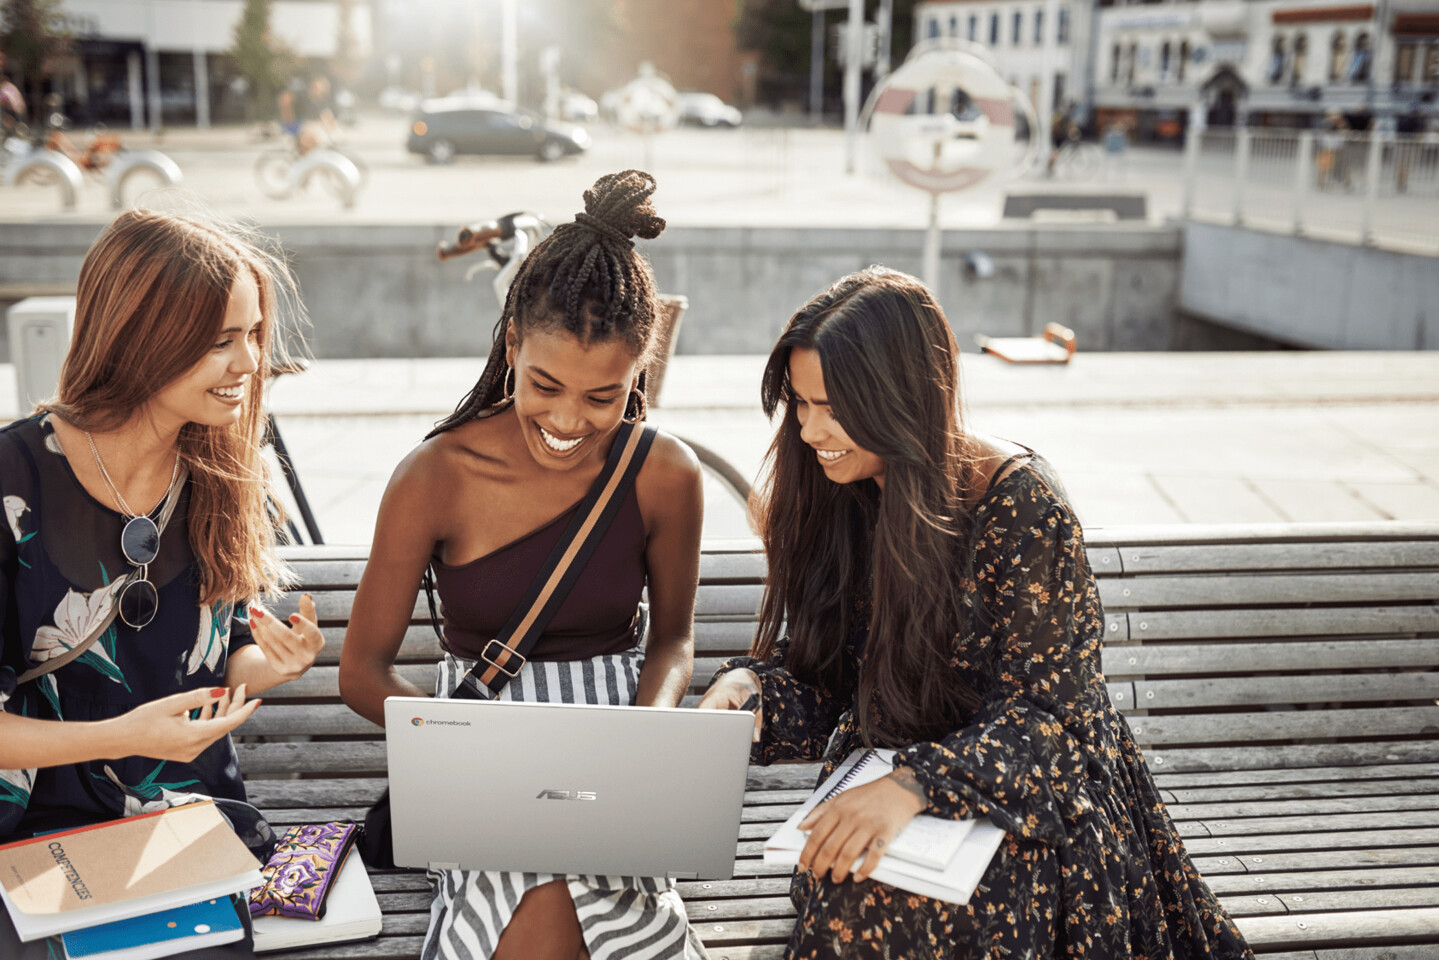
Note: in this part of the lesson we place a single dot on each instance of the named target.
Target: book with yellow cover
(58, 882)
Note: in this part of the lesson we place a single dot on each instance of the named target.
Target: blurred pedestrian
(1331, 144)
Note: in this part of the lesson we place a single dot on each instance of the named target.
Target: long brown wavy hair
(150, 304)
(891, 375)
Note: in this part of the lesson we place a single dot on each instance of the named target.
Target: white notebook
(938, 858)
(351, 913)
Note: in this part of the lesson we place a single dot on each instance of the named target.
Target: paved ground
(1138, 438)
(753, 176)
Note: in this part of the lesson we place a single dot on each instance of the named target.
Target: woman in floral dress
(928, 591)
(160, 393)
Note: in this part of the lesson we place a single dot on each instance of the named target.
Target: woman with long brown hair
(482, 502)
(928, 592)
(137, 498)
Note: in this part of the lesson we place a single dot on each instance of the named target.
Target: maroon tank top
(598, 617)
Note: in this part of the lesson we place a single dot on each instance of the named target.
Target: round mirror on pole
(945, 122)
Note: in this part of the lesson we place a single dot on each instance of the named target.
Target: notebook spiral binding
(850, 775)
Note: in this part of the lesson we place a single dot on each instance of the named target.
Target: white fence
(1380, 189)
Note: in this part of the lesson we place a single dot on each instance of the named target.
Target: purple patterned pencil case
(302, 870)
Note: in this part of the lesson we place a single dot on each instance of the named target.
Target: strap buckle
(485, 656)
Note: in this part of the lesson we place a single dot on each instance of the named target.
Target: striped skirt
(630, 917)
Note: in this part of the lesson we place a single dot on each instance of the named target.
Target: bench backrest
(1227, 648)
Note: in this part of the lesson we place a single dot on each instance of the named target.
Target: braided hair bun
(585, 279)
(622, 201)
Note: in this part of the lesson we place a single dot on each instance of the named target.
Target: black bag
(488, 676)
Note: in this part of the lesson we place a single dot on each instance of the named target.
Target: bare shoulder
(669, 488)
(438, 462)
(993, 452)
(670, 469)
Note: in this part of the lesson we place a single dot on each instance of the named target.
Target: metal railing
(1379, 189)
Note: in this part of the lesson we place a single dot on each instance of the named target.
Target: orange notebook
(63, 881)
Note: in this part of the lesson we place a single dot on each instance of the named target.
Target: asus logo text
(566, 795)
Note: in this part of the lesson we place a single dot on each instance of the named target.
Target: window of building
(1183, 60)
(1274, 68)
(1404, 56)
(1363, 60)
(1063, 26)
(1336, 56)
(994, 29)
(1039, 28)
(933, 27)
(973, 27)
(954, 26)
(1301, 54)
(1132, 64)
(1017, 33)
(1164, 62)
(1431, 62)
(1114, 65)
(1058, 90)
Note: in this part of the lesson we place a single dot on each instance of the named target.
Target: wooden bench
(1282, 681)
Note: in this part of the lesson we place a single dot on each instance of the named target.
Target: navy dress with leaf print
(59, 554)
(1092, 865)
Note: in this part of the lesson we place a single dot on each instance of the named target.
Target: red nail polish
(257, 612)
(217, 691)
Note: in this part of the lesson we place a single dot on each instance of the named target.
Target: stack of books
(143, 887)
(942, 859)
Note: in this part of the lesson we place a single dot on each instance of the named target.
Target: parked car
(578, 108)
(440, 130)
(706, 110)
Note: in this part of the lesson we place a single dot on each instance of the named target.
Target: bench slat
(1279, 808)
(1296, 790)
(1379, 926)
(1269, 843)
(1249, 591)
(1247, 691)
(1306, 881)
(1365, 621)
(1237, 827)
(1299, 775)
(1292, 725)
(1392, 555)
(1244, 658)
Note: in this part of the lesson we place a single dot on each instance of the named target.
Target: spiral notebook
(938, 858)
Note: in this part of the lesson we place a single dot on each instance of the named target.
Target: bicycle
(274, 165)
(1077, 160)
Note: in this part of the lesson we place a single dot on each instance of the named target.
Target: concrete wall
(1310, 293)
(379, 292)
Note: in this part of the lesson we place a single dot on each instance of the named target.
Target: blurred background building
(146, 62)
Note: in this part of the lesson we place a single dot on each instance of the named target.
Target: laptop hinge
(436, 865)
(684, 875)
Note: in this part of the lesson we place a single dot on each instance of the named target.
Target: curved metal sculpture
(52, 162)
(129, 162)
(342, 177)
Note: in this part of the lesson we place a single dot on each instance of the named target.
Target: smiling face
(569, 396)
(212, 392)
(843, 460)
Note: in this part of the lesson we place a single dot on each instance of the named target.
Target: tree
(779, 30)
(35, 42)
(264, 63)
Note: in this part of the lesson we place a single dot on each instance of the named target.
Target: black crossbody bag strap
(502, 658)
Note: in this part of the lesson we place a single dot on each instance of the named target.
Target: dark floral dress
(1092, 865)
(59, 557)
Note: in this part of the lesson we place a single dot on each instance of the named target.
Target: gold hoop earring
(638, 403)
(507, 388)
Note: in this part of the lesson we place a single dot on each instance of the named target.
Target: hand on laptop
(736, 690)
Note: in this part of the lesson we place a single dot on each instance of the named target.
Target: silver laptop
(566, 788)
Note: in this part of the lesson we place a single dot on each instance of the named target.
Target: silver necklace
(115, 492)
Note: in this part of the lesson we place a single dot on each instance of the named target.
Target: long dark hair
(586, 279)
(891, 375)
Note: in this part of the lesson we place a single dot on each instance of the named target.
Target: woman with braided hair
(481, 503)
